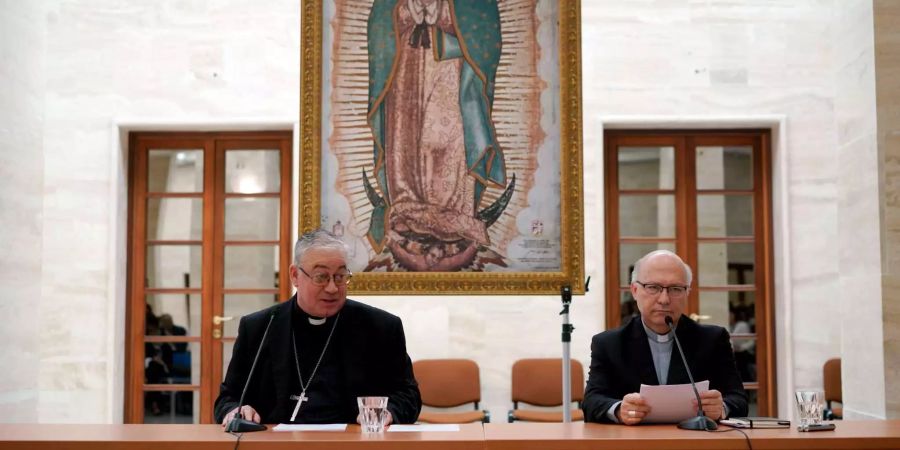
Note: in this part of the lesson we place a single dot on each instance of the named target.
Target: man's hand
(247, 412)
(713, 407)
(632, 410)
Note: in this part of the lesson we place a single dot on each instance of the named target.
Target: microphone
(238, 423)
(701, 422)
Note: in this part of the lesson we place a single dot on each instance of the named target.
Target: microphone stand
(567, 328)
(566, 293)
(701, 422)
(238, 423)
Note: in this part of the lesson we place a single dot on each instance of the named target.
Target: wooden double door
(209, 241)
(706, 195)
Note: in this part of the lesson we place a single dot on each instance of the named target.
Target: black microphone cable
(237, 443)
(746, 436)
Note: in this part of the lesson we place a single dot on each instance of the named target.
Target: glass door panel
(174, 219)
(208, 214)
(724, 167)
(252, 219)
(724, 215)
(176, 314)
(174, 266)
(646, 168)
(252, 171)
(251, 267)
(239, 305)
(251, 239)
(720, 264)
(705, 195)
(174, 170)
(647, 216)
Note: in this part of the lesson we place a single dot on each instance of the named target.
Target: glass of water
(372, 413)
(810, 405)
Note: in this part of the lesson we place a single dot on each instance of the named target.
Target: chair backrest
(831, 376)
(446, 383)
(539, 381)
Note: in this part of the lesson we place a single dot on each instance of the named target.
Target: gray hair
(318, 239)
(688, 275)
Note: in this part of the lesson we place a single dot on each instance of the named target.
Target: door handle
(217, 320)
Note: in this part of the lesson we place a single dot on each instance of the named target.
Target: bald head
(663, 255)
(660, 285)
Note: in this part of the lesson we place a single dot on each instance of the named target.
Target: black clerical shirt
(366, 356)
(327, 387)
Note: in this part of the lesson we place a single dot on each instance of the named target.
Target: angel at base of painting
(432, 65)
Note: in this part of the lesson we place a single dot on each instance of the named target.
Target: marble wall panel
(887, 68)
(813, 209)
(890, 226)
(891, 320)
(73, 406)
(862, 363)
(21, 201)
(858, 237)
(177, 66)
(815, 329)
(854, 79)
(858, 205)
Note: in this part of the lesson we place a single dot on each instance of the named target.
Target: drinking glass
(810, 405)
(371, 413)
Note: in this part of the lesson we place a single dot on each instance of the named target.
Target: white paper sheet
(670, 403)
(310, 427)
(424, 427)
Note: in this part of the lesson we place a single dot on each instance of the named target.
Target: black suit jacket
(621, 361)
(374, 362)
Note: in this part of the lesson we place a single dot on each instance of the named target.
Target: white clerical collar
(654, 336)
(317, 321)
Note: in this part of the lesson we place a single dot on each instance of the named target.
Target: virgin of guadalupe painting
(432, 66)
(444, 137)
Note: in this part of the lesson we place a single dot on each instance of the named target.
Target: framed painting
(441, 140)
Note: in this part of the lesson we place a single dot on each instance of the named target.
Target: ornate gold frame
(492, 283)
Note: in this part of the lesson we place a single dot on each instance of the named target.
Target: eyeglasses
(675, 291)
(322, 279)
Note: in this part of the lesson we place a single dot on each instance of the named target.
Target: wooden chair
(538, 382)
(831, 376)
(447, 383)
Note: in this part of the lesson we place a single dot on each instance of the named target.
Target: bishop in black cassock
(341, 349)
(642, 350)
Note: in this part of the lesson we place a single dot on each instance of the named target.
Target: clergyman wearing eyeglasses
(642, 350)
(322, 350)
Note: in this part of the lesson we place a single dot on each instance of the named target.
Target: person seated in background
(744, 349)
(642, 351)
(166, 327)
(155, 369)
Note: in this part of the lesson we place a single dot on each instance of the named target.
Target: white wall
(683, 60)
(22, 74)
(88, 64)
(859, 242)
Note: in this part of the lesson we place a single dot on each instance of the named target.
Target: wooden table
(203, 437)
(519, 436)
(848, 435)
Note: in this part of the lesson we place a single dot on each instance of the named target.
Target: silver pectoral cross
(300, 399)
